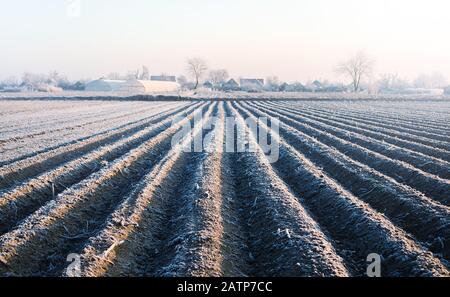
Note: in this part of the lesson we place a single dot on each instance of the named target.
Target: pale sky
(293, 39)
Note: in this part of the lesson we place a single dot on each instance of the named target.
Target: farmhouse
(252, 84)
(207, 84)
(231, 85)
(294, 87)
(105, 85)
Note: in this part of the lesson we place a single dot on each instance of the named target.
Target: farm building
(105, 85)
(252, 84)
(149, 86)
(207, 84)
(231, 85)
(294, 87)
(131, 86)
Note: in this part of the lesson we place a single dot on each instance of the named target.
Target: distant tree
(272, 83)
(132, 74)
(145, 75)
(57, 80)
(11, 81)
(182, 80)
(196, 67)
(218, 77)
(54, 76)
(184, 83)
(389, 82)
(430, 81)
(114, 76)
(32, 79)
(356, 68)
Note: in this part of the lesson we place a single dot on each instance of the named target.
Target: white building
(105, 85)
(149, 86)
(132, 86)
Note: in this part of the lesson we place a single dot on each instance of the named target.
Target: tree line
(357, 71)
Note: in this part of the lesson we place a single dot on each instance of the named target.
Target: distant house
(78, 86)
(333, 89)
(251, 84)
(316, 86)
(295, 87)
(231, 85)
(208, 85)
(447, 90)
(105, 85)
(66, 85)
(163, 78)
(26, 87)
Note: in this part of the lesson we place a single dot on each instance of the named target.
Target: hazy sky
(294, 39)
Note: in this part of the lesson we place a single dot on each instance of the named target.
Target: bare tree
(10, 81)
(145, 75)
(356, 68)
(431, 81)
(272, 83)
(183, 81)
(218, 76)
(133, 74)
(32, 78)
(391, 81)
(196, 68)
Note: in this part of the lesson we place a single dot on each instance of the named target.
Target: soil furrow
(351, 221)
(426, 150)
(282, 237)
(66, 121)
(21, 201)
(431, 185)
(40, 244)
(415, 131)
(412, 211)
(373, 126)
(17, 156)
(135, 230)
(409, 121)
(15, 173)
(18, 137)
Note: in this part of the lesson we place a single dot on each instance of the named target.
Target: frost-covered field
(208, 94)
(101, 179)
(77, 94)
